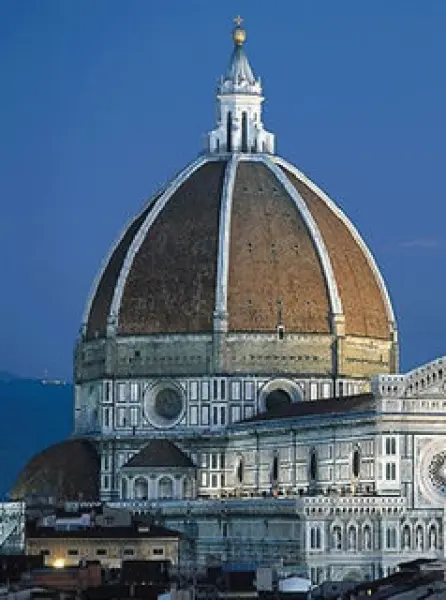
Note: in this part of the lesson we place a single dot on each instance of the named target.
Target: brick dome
(243, 243)
(238, 252)
(66, 471)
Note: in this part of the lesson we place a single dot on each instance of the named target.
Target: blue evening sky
(103, 100)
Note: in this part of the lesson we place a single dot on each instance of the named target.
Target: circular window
(277, 399)
(168, 403)
(437, 472)
(164, 405)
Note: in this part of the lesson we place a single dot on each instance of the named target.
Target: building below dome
(236, 371)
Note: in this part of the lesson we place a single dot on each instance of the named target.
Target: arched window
(390, 446)
(356, 462)
(313, 465)
(275, 470)
(229, 133)
(352, 538)
(277, 399)
(367, 537)
(124, 488)
(391, 538)
(240, 470)
(165, 488)
(336, 538)
(315, 538)
(419, 538)
(433, 537)
(406, 537)
(141, 488)
(188, 488)
(244, 132)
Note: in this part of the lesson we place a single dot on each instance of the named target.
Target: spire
(239, 72)
(239, 99)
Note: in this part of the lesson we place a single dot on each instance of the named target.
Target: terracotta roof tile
(274, 268)
(362, 300)
(171, 285)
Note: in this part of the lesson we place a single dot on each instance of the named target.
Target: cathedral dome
(65, 471)
(242, 243)
(248, 239)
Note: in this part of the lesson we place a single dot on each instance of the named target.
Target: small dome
(66, 471)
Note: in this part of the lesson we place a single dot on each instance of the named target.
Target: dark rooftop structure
(136, 531)
(342, 404)
(160, 453)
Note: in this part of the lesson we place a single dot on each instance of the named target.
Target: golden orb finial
(238, 33)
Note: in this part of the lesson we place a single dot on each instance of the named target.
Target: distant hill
(33, 416)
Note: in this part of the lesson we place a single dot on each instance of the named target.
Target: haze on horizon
(102, 102)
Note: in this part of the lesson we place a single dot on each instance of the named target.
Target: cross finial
(238, 20)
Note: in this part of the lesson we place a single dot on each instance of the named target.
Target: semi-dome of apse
(68, 470)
